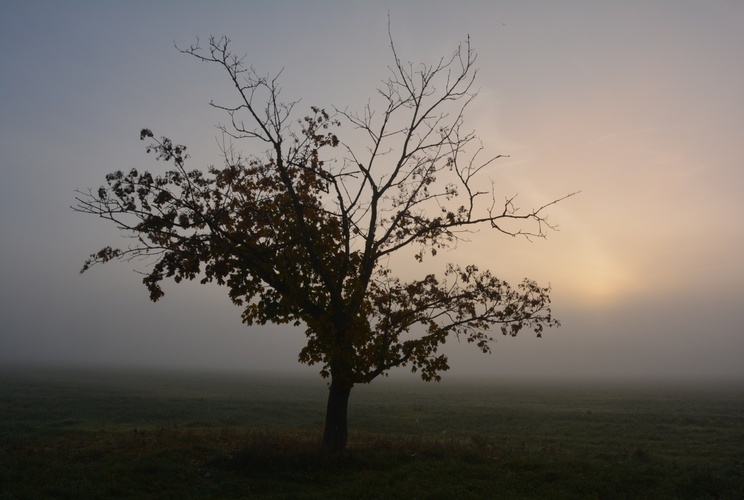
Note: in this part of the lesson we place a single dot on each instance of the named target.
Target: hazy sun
(596, 277)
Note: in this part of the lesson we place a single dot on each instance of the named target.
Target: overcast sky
(637, 104)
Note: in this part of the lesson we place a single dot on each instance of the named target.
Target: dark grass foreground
(129, 435)
(175, 463)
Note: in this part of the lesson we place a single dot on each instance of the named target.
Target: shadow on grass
(230, 463)
(286, 465)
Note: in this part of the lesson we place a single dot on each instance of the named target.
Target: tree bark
(336, 426)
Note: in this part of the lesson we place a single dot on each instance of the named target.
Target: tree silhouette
(302, 231)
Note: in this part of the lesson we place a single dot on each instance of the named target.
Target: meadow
(68, 433)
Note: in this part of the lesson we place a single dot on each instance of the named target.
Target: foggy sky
(637, 104)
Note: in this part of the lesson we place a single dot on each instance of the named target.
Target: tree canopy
(301, 230)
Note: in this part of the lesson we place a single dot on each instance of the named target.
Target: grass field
(106, 434)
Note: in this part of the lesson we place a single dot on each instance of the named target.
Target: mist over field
(104, 433)
(638, 105)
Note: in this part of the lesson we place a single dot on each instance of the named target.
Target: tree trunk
(336, 429)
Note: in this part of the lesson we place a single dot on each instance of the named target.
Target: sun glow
(584, 266)
(598, 279)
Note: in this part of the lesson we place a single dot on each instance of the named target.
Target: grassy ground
(66, 434)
